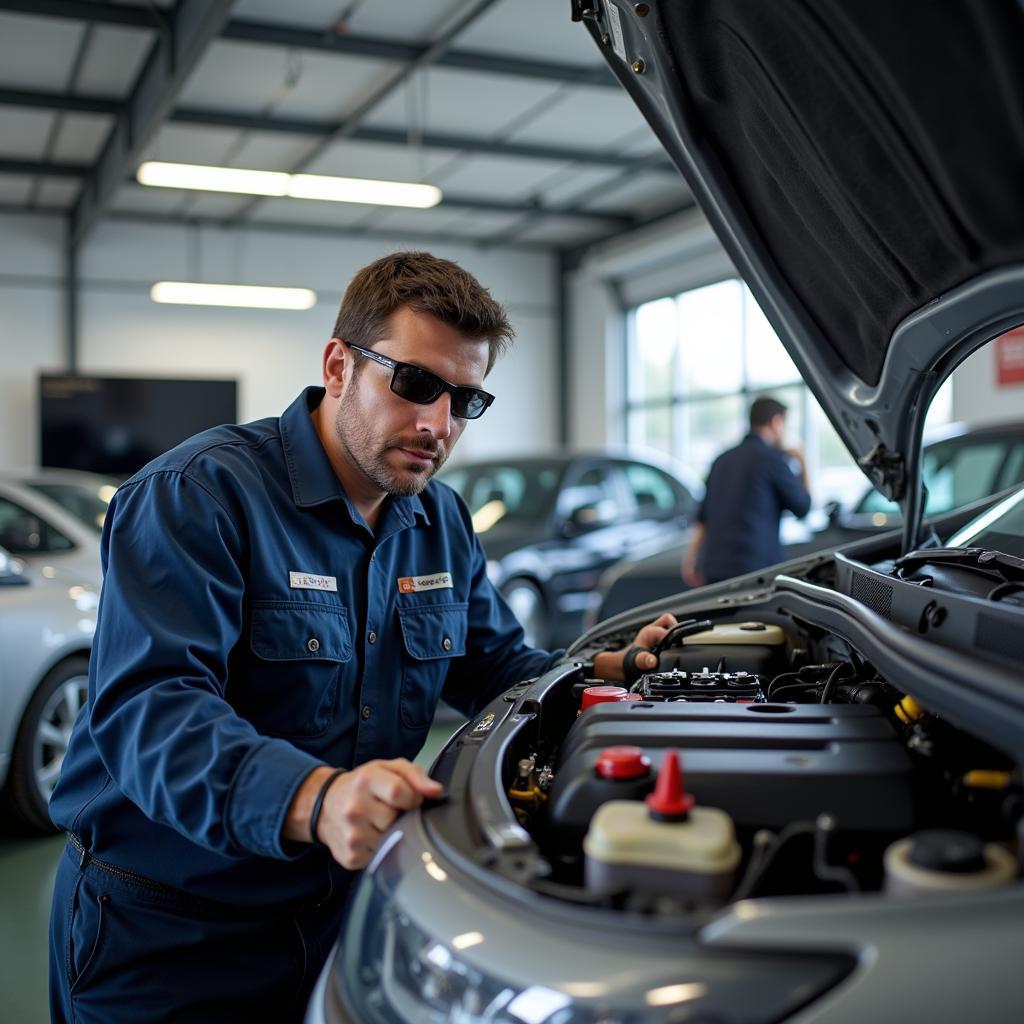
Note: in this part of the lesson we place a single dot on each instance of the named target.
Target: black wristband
(318, 806)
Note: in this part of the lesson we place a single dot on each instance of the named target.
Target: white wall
(272, 354)
(977, 398)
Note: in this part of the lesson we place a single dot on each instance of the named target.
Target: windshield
(955, 475)
(1001, 528)
(502, 491)
(86, 503)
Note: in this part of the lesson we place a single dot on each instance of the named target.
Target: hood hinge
(887, 470)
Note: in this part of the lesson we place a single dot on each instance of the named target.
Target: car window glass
(954, 476)
(24, 533)
(969, 473)
(84, 503)
(651, 489)
(1013, 469)
(592, 500)
(506, 491)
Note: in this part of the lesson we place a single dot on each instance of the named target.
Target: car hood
(861, 164)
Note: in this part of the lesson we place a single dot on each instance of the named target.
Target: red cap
(602, 695)
(622, 763)
(670, 801)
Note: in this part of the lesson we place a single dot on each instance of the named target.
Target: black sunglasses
(415, 384)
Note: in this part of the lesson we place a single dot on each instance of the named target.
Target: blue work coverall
(748, 489)
(251, 628)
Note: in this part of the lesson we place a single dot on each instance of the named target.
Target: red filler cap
(622, 763)
(602, 695)
(670, 801)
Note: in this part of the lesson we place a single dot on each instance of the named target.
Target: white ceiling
(540, 198)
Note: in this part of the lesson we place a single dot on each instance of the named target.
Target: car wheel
(527, 604)
(43, 740)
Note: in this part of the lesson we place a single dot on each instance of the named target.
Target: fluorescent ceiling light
(288, 186)
(194, 293)
(363, 190)
(213, 179)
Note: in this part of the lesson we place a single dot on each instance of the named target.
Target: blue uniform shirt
(748, 489)
(251, 628)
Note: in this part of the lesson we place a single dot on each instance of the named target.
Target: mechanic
(284, 604)
(748, 489)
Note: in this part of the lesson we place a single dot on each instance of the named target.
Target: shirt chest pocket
(299, 651)
(432, 635)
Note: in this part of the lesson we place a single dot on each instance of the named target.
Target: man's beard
(356, 436)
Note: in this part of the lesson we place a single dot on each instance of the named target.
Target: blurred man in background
(748, 489)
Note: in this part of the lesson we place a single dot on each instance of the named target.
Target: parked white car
(51, 519)
(50, 523)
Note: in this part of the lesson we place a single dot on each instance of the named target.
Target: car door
(662, 508)
(594, 520)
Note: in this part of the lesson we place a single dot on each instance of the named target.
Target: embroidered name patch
(414, 584)
(312, 581)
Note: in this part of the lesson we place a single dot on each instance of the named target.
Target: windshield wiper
(1008, 567)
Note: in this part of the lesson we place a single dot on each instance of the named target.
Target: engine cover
(767, 765)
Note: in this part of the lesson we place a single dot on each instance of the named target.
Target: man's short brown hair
(426, 284)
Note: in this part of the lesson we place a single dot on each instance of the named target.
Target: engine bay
(766, 756)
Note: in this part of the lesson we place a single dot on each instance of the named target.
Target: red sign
(1010, 358)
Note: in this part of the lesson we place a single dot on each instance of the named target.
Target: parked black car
(960, 466)
(550, 525)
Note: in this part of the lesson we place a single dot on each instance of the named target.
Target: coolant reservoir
(662, 846)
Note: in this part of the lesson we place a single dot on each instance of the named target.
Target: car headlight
(423, 946)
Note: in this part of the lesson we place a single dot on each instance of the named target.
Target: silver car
(845, 841)
(50, 524)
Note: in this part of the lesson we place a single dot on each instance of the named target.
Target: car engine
(762, 758)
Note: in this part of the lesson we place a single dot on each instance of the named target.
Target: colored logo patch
(414, 584)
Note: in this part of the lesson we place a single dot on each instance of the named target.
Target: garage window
(697, 360)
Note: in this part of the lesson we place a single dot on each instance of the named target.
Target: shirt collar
(312, 476)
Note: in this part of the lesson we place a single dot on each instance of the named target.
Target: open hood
(862, 162)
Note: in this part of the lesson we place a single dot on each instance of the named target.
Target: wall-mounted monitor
(115, 425)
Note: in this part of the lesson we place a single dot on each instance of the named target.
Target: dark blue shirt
(748, 489)
(252, 627)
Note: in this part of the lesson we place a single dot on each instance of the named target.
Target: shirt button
(373, 556)
(372, 637)
(312, 645)
(446, 644)
(366, 711)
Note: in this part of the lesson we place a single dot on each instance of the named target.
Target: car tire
(42, 741)
(528, 606)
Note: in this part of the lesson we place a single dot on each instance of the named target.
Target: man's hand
(360, 806)
(609, 664)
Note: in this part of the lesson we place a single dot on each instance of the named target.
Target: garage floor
(27, 866)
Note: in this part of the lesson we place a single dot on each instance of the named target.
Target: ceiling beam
(379, 48)
(241, 121)
(274, 227)
(174, 53)
(85, 10)
(299, 38)
(50, 168)
(64, 169)
(430, 140)
(60, 101)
